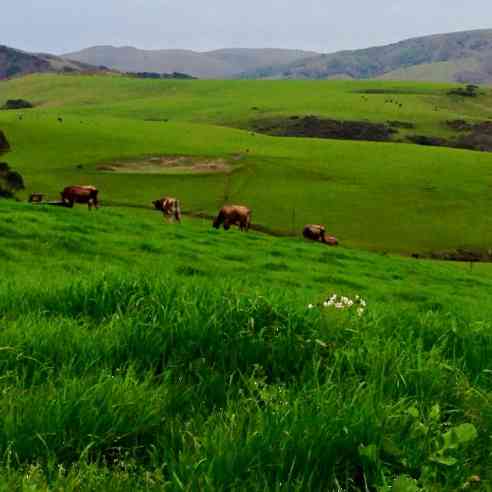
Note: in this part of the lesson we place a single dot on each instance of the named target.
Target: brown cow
(233, 215)
(317, 232)
(170, 208)
(80, 194)
(36, 198)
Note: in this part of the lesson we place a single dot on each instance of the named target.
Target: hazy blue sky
(60, 26)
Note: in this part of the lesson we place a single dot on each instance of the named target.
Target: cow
(317, 232)
(233, 215)
(170, 208)
(36, 198)
(80, 194)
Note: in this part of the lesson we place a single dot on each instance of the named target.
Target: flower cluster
(343, 302)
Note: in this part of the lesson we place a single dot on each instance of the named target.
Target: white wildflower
(360, 311)
(363, 303)
(326, 304)
(339, 305)
(310, 306)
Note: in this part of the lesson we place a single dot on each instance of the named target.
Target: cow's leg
(177, 212)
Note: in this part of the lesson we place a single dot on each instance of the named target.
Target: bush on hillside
(470, 90)
(4, 144)
(17, 104)
(10, 181)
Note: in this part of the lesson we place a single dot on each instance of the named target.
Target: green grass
(438, 71)
(394, 197)
(138, 355)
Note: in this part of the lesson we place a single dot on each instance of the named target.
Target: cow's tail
(177, 212)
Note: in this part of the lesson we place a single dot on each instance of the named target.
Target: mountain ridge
(377, 61)
(221, 63)
(462, 57)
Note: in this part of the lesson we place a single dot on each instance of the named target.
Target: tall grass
(152, 377)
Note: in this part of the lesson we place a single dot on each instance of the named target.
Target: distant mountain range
(464, 57)
(226, 63)
(456, 57)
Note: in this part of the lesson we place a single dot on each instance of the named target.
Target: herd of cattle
(171, 208)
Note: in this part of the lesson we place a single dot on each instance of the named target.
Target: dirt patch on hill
(315, 127)
(168, 165)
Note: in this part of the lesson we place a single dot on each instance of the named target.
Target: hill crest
(374, 62)
(14, 63)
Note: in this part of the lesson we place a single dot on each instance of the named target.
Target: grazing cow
(36, 198)
(80, 194)
(317, 232)
(170, 208)
(233, 215)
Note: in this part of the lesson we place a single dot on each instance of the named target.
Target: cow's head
(157, 204)
(216, 222)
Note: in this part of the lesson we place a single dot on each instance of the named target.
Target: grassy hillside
(435, 72)
(432, 51)
(142, 356)
(383, 196)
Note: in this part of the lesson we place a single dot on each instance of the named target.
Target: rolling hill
(456, 57)
(226, 63)
(464, 57)
(206, 142)
(15, 63)
(141, 355)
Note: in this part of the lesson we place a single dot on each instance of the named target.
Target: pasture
(137, 355)
(378, 196)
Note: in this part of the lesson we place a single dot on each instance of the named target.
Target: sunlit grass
(139, 355)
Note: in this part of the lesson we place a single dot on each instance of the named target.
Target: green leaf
(435, 413)
(460, 434)
(445, 460)
(419, 429)
(405, 484)
(413, 412)
(369, 452)
(390, 448)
